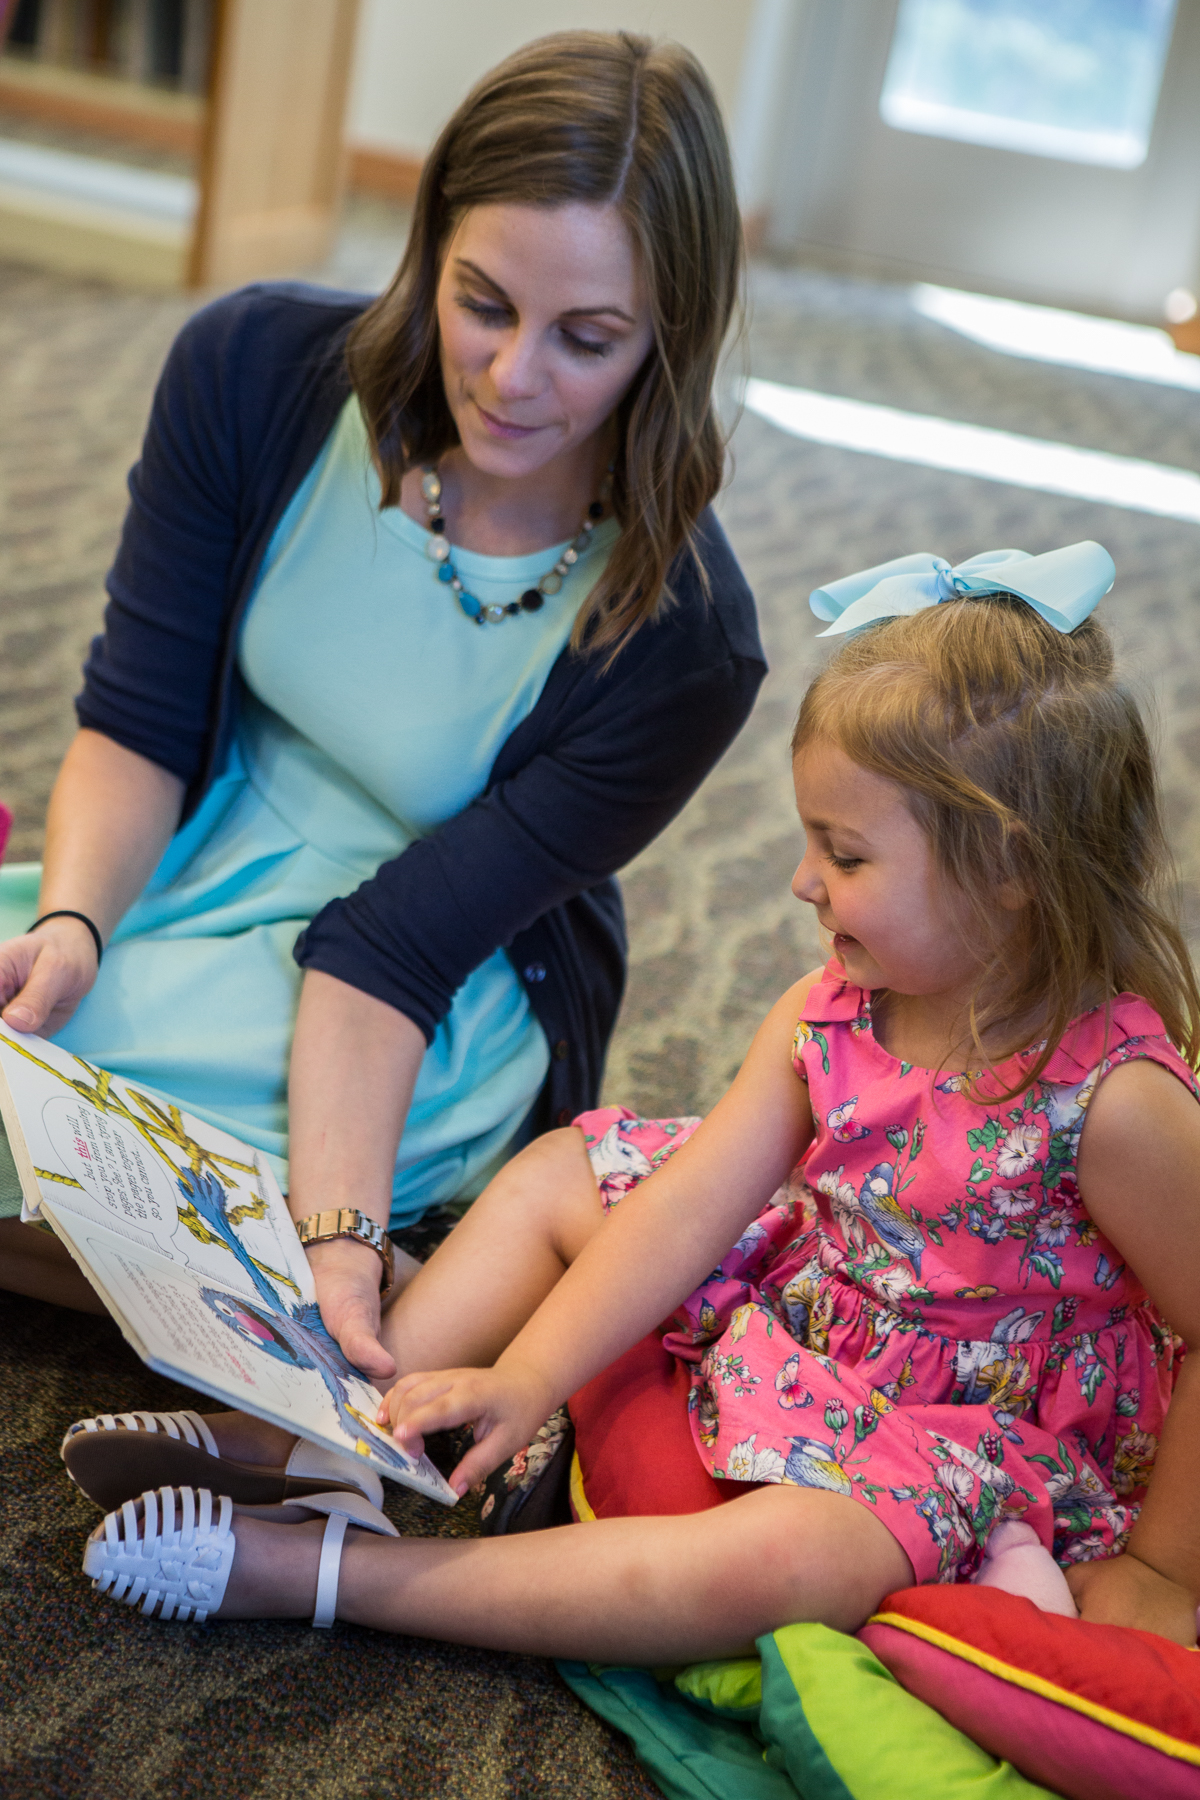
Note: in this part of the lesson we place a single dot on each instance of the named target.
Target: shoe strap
(186, 1425)
(325, 1611)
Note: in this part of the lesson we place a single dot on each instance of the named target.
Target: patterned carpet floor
(101, 1704)
(98, 1703)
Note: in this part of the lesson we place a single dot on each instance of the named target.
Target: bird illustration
(613, 1154)
(300, 1340)
(210, 1219)
(813, 1464)
(879, 1206)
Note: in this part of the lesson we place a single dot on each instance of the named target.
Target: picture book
(185, 1236)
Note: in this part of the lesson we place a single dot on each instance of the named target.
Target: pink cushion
(1096, 1712)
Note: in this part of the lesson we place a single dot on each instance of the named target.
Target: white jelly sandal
(116, 1456)
(171, 1555)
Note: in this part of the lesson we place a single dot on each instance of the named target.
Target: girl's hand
(45, 974)
(505, 1405)
(346, 1273)
(1124, 1591)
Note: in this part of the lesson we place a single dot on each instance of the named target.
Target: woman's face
(544, 321)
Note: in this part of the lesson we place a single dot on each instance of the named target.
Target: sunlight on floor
(1047, 334)
(977, 450)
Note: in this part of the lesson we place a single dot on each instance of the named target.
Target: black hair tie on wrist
(65, 912)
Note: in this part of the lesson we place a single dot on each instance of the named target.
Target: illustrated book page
(184, 1234)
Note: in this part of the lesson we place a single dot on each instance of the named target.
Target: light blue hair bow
(1062, 585)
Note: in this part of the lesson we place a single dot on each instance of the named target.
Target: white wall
(414, 62)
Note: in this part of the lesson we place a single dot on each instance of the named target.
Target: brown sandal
(116, 1457)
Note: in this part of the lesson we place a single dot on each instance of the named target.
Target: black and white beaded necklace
(438, 551)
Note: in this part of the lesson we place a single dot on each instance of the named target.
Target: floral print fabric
(925, 1318)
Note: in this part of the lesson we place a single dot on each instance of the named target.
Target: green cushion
(10, 1181)
(19, 884)
(690, 1752)
(844, 1729)
(834, 1723)
(732, 1688)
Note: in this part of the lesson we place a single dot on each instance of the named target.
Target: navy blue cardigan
(249, 394)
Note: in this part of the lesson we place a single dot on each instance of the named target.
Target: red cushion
(1096, 1712)
(634, 1444)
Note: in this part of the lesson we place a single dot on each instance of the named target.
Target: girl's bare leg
(498, 1264)
(648, 1591)
(34, 1263)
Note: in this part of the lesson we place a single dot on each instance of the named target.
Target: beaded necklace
(438, 551)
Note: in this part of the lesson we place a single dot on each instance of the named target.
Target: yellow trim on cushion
(579, 1499)
(1037, 1684)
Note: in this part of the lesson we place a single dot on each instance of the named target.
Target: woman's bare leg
(649, 1591)
(34, 1263)
(501, 1260)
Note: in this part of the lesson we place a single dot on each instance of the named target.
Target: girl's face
(869, 871)
(544, 321)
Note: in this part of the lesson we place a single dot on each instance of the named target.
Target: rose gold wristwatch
(347, 1221)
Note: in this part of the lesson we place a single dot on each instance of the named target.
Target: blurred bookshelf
(170, 143)
(150, 43)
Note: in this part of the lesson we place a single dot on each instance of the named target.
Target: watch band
(347, 1221)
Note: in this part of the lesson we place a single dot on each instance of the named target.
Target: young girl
(959, 1171)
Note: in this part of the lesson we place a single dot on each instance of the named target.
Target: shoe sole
(114, 1466)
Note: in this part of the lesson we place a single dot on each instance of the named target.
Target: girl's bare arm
(111, 816)
(1139, 1176)
(661, 1242)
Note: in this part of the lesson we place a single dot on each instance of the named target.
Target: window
(1073, 79)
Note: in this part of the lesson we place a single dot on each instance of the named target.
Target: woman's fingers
(346, 1273)
(44, 977)
(16, 959)
(361, 1347)
(353, 1319)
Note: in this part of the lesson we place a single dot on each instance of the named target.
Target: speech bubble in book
(110, 1173)
(113, 1168)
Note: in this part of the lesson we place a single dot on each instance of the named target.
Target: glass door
(1040, 147)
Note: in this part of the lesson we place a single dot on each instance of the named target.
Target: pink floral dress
(925, 1318)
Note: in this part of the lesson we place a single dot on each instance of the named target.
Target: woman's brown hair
(607, 118)
(1027, 764)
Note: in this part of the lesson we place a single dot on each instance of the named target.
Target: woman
(419, 629)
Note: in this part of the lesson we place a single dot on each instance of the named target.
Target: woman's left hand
(346, 1273)
(1121, 1590)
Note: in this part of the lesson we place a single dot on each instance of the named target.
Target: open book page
(185, 1236)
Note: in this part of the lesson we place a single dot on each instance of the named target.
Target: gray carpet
(101, 1705)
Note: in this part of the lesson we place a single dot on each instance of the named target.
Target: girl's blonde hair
(1028, 766)
(605, 118)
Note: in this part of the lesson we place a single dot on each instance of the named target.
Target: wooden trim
(103, 104)
(161, 120)
(386, 172)
(272, 162)
(1187, 335)
(197, 259)
(755, 224)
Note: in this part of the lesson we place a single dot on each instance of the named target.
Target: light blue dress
(373, 712)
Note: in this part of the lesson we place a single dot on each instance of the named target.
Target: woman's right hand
(346, 1273)
(45, 974)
